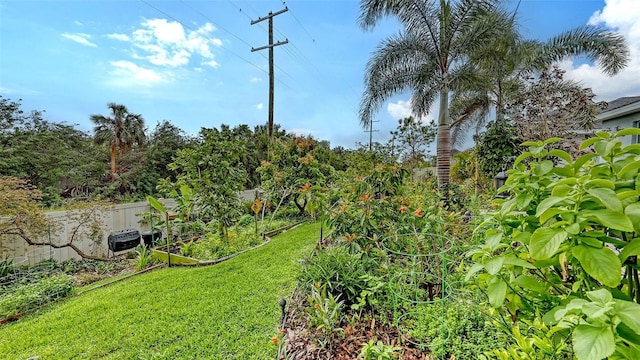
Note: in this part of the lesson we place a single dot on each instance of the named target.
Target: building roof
(620, 102)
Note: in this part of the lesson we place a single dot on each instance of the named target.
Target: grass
(227, 311)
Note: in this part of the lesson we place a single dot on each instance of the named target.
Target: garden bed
(212, 248)
(24, 289)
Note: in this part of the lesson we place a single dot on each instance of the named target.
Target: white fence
(113, 218)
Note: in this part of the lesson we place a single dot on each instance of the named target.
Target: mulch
(299, 343)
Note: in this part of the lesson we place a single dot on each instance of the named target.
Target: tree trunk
(19, 232)
(301, 207)
(443, 144)
(113, 159)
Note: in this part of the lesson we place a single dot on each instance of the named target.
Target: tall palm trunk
(113, 151)
(443, 143)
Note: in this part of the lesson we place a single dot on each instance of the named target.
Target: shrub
(343, 274)
(561, 252)
(26, 297)
(245, 220)
(459, 329)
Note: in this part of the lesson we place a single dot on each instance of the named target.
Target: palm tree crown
(507, 61)
(121, 131)
(430, 57)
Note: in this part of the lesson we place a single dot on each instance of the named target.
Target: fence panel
(114, 218)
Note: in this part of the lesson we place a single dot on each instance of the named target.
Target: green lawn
(226, 311)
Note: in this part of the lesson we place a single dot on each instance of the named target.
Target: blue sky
(190, 62)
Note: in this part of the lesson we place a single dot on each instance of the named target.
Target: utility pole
(271, 76)
(371, 131)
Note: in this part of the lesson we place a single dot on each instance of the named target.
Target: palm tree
(430, 58)
(119, 132)
(506, 62)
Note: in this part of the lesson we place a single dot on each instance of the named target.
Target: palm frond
(606, 48)
(401, 63)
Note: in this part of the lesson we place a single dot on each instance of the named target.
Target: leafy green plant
(143, 258)
(568, 237)
(368, 297)
(25, 297)
(601, 326)
(324, 313)
(340, 272)
(163, 210)
(6, 266)
(459, 329)
(497, 147)
(373, 350)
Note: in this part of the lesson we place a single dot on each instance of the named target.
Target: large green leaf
(611, 219)
(600, 296)
(516, 261)
(551, 213)
(548, 203)
(607, 197)
(603, 183)
(631, 249)
(629, 313)
(186, 192)
(602, 264)
(494, 265)
(473, 270)
(497, 291)
(583, 160)
(592, 342)
(628, 334)
(522, 157)
(545, 167)
(156, 204)
(627, 131)
(630, 170)
(585, 144)
(530, 283)
(632, 149)
(561, 154)
(493, 238)
(545, 242)
(633, 212)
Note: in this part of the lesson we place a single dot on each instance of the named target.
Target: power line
(299, 23)
(214, 23)
(234, 35)
(240, 9)
(195, 30)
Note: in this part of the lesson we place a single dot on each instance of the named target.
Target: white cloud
(255, 79)
(139, 75)
(400, 109)
(80, 38)
(120, 37)
(166, 43)
(77, 22)
(259, 106)
(214, 64)
(621, 16)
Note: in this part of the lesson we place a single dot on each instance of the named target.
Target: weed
(144, 257)
(324, 314)
(378, 351)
